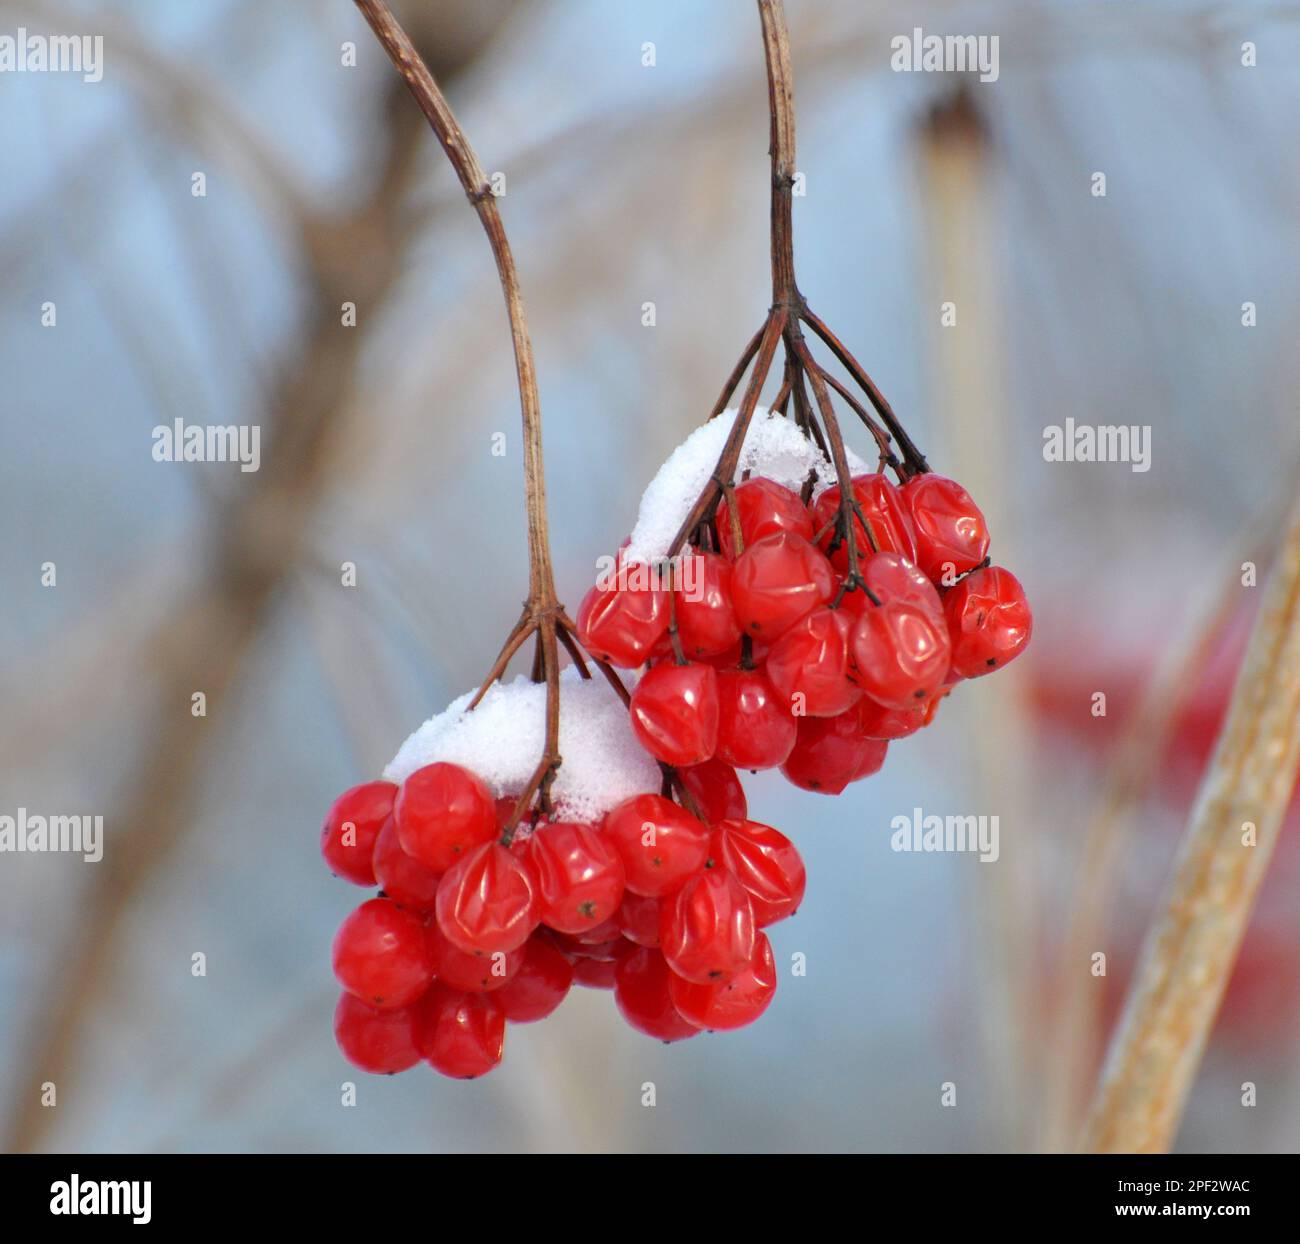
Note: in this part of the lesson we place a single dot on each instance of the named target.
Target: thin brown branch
(1192, 944)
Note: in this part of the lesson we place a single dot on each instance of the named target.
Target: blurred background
(634, 174)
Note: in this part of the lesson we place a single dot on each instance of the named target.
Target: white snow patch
(501, 741)
(774, 447)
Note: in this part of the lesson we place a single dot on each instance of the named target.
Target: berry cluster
(769, 651)
(475, 927)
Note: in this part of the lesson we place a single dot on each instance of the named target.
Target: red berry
(488, 901)
(778, 580)
(893, 578)
(675, 712)
(588, 942)
(539, 986)
(882, 507)
(641, 992)
(579, 876)
(755, 729)
(706, 621)
(381, 954)
(347, 839)
(764, 507)
(638, 919)
(598, 973)
(381, 1042)
(875, 721)
(901, 654)
(809, 666)
(733, 1003)
(402, 877)
(621, 625)
(471, 973)
(661, 844)
(460, 1034)
(715, 788)
(830, 753)
(443, 812)
(766, 863)
(706, 929)
(988, 619)
(951, 534)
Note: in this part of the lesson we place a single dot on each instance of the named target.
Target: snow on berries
(618, 887)
(761, 646)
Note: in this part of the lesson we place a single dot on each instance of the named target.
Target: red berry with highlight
(539, 986)
(715, 787)
(706, 620)
(674, 712)
(471, 973)
(989, 621)
(755, 728)
(883, 509)
(347, 839)
(733, 1003)
(661, 843)
(488, 901)
(381, 954)
(951, 534)
(766, 863)
(442, 813)
(706, 929)
(764, 508)
(621, 625)
(901, 654)
(809, 665)
(638, 919)
(642, 985)
(830, 753)
(460, 1034)
(580, 876)
(402, 877)
(778, 580)
(381, 1042)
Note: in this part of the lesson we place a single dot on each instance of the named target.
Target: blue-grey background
(626, 183)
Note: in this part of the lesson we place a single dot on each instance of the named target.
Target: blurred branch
(1192, 944)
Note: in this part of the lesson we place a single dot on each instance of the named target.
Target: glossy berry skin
(764, 508)
(621, 625)
(488, 902)
(541, 984)
(989, 621)
(402, 877)
(882, 507)
(734, 1003)
(706, 929)
(893, 578)
(778, 580)
(766, 863)
(715, 788)
(809, 665)
(589, 943)
(460, 1034)
(706, 620)
(442, 813)
(381, 954)
(661, 843)
(456, 969)
(901, 654)
(674, 712)
(830, 753)
(642, 984)
(380, 1042)
(755, 729)
(638, 919)
(580, 876)
(875, 721)
(347, 839)
(951, 534)
(599, 973)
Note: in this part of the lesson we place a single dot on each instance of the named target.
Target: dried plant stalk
(1191, 947)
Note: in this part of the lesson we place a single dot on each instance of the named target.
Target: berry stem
(543, 614)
